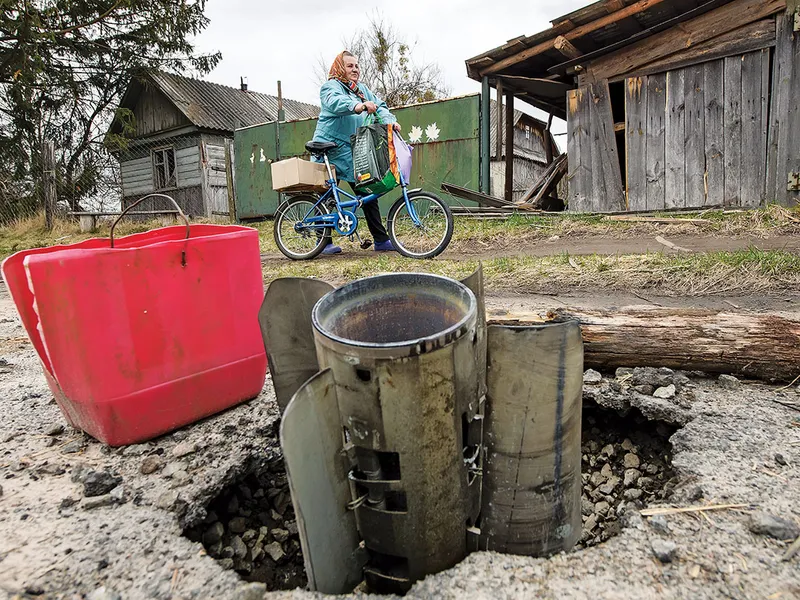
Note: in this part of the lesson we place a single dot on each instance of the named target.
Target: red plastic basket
(141, 335)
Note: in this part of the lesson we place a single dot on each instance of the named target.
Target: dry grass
(519, 230)
(743, 272)
(31, 232)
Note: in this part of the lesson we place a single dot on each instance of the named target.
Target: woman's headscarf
(338, 72)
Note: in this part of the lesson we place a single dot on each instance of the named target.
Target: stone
(98, 483)
(609, 451)
(151, 464)
(174, 467)
(68, 501)
(596, 479)
(781, 460)
(591, 522)
(73, 447)
(275, 516)
(650, 376)
(167, 500)
(763, 523)
(275, 551)
(632, 494)
(627, 445)
(646, 482)
(180, 478)
(631, 477)
(136, 450)
(249, 536)
(54, 430)
(257, 553)
(213, 534)
(609, 487)
(681, 381)
(237, 525)
(646, 390)
(104, 593)
(587, 507)
(250, 591)
(606, 472)
(622, 372)
(729, 382)
(659, 523)
(233, 505)
(280, 535)
(97, 501)
(239, 547)
(651, 469)
(51, 469)
(665, 393)
(118, 494)
(263, 532)
(225, 563)
(227, 552)
(664, 550)
(184, 449)
(592, 377)
(601, 508)
(631, 461)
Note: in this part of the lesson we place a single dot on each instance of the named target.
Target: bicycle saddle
(319, 147)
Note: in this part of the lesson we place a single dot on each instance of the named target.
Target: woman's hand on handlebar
(370, 107)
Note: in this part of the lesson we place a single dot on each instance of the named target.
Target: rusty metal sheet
(311, 438)
(532, 480)
(285, 320)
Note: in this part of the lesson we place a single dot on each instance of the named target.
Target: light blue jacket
(338, 121)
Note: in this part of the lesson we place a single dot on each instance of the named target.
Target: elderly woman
(344, 103)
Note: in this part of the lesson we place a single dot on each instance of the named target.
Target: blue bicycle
(420, 224)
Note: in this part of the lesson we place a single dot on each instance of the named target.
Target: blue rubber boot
(331, 249)
(384, 246)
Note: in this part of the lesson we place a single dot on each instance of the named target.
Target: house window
(164, 168)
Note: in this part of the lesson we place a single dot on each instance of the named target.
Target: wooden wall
(697, 136)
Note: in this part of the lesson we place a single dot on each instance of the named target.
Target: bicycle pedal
(366, 244)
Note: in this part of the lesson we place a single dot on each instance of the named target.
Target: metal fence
(40, 183)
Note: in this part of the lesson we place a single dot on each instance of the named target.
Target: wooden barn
(180, 130)
(669, 104)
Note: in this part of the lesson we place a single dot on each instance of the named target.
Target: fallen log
(755, 345)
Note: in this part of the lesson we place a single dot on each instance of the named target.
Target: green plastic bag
(372, 167)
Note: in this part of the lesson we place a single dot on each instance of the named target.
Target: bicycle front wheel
(292, 238)
(431, 236)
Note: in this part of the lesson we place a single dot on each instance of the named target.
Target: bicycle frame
(330, 220)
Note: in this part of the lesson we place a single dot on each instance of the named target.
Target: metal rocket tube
(400, 350)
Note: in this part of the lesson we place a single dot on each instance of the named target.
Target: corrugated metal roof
(214, 106)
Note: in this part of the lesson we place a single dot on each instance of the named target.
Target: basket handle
(170, 198)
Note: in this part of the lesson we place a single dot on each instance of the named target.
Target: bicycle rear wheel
(292, 238)
(431, 236)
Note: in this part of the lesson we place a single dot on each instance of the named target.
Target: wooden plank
(786, 118)
(499, 122)
(636, 142)
(733, 129)
(694, 148)
(714, 133)
(751, 344)
(778, 109)
(754, 36)
(573, 34)
(753, 144)
(708, 26)
(579, 150)
(608, 194)
(566, 48)
(509, 191)
(675, 138)
(656, 147)
(639, 36)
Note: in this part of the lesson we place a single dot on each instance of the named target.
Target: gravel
(723, 444)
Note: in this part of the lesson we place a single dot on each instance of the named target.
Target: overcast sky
(284, 39)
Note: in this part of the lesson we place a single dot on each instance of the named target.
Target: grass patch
(747, 271)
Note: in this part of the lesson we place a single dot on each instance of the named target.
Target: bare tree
(387, 66)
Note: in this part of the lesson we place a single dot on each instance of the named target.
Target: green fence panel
(444, 134)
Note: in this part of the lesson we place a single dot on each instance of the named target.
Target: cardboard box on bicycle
(298, 175)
